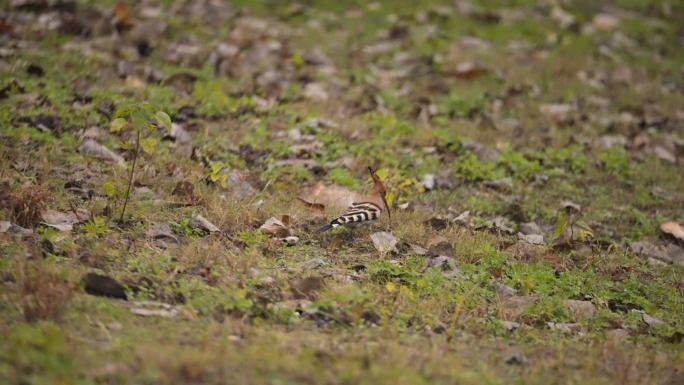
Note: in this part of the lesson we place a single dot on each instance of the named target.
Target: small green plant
(342, 177)
(470, 168)
(460, 106)
(518, 165)
(141, 119)
(615, 161)
(183, 227)
(95, 228)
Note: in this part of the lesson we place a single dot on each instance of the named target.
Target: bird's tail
(324, 228)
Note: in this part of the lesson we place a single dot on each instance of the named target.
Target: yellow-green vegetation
(531, 151)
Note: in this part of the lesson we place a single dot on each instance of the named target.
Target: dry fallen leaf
(162, 235)
(276, 227)
(63, 221)
(99, 151)
(200, 222)
(674, 229)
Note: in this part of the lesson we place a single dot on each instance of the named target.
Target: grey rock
(528, 228)
(384, 242)
(517, 359)
(502, 290)
(510, 325)
(313, 264)
(534, 239)
(564, 327)
(579, 310)
(482, 152)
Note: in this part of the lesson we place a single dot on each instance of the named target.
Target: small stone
(314, 263)
(154, 309)
(428, 181)
(564, 327)
(418, 250)
(608, 141)
(440, 246)
(517, 359)
(652, 321)
(579, 310)
(562, 17)
(556, 111)
(530, 228)
(499, 184)
(290, 241)
(439, 328)
(516, 306)
(534, 239)
(482, 152)
(316, 92)
(617, 334)
(502, 290)
(384, 242)
(510, 325)
(605, 22)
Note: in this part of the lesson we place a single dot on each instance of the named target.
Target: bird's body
(365, 212)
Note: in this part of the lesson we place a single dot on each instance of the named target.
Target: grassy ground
(514, 110)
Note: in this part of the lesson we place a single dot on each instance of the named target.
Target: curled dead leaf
(64, 221)
(200, 222)
(277, 227)
(674, 229)
(99, 151)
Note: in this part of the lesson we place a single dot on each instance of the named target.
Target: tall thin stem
(130, 177)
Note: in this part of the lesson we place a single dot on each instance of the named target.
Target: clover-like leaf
(138, 120)
(117, 125)
(109, 189)
(149, 145)
(163, 119)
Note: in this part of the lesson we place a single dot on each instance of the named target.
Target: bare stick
(130, 177)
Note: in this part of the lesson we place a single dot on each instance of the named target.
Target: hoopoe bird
(366, 211)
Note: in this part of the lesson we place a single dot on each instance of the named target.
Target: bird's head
(379, 189)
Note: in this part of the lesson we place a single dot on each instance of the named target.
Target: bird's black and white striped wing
(358, 213)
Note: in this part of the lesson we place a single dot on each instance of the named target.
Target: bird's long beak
(387, 207)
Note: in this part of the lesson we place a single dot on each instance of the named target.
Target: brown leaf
(162, 235)
(63, 221)
(99, 151)
(276, 227)
(200, 222)
(674, 229)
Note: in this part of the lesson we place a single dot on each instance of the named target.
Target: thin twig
(130, 177)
